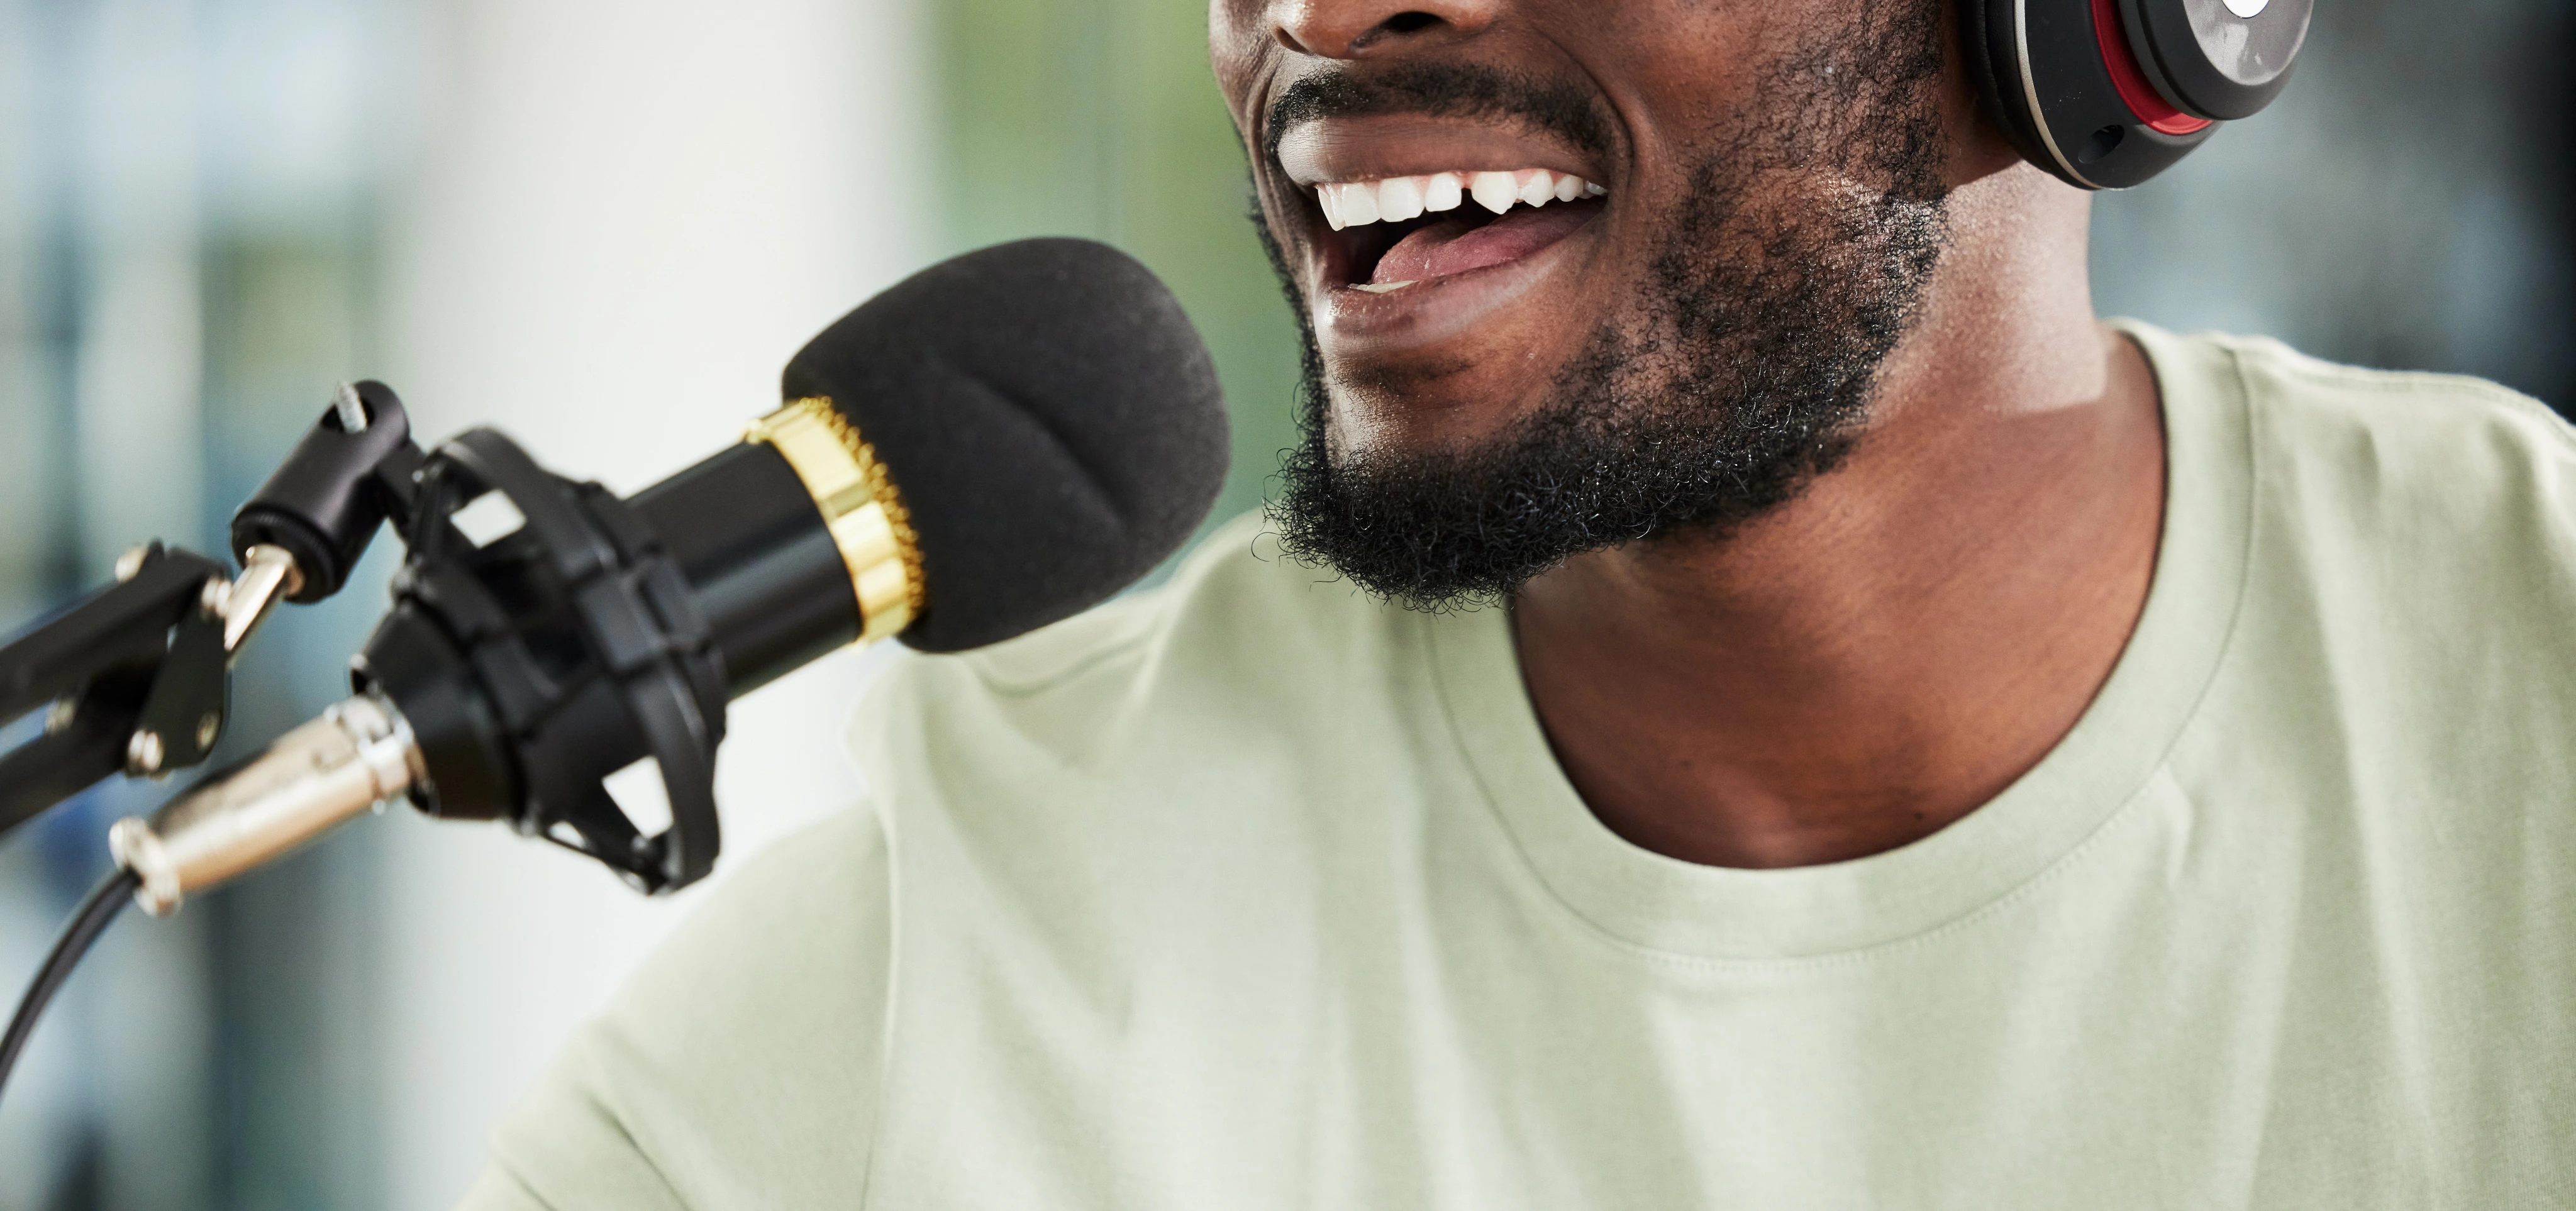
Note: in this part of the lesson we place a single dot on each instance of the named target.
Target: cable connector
(358, 755)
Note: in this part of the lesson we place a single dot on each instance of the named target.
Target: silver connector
(358, 754)
(269, 575)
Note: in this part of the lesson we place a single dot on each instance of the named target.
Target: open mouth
(1385, 235)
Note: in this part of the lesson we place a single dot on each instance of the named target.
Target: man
(1752, 697)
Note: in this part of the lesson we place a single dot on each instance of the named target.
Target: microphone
(995, 444)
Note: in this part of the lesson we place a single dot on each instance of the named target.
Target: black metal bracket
(135, 678)
(132, 679)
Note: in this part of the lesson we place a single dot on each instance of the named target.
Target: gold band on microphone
(859, 503)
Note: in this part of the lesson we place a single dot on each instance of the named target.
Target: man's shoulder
(2438, 497)
(741, 1064)
(2462, 443)
(2392, 715)
(1232, 588)
(2407, 572)
(2392, 396)
(1240, 635)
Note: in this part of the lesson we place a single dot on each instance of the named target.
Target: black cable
(92, 920)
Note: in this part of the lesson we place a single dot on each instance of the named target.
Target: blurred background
(605, 224)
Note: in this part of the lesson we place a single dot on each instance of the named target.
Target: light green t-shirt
(1254, 893)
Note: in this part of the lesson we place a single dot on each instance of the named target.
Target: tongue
(1458, 245)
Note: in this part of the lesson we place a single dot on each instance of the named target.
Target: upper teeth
(1395, 199)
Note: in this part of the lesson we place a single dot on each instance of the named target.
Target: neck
(1887, 652)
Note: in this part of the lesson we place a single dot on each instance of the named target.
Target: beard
(1743, 372)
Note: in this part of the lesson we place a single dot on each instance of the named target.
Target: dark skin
(1891, 649)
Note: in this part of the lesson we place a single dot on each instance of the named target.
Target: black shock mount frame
(532, 667)
(529, 667)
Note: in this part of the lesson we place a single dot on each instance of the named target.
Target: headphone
(2107, 93)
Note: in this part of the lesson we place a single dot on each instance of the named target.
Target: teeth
(1540, 188)
(1359, 204)
(1380, 287)
(1396, 199)
(1443, 192)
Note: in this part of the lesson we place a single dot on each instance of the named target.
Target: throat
(1848, 678)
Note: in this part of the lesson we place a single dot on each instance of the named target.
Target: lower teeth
(1380, 287)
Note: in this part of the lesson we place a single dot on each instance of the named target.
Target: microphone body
(997, 443)
(744, 532)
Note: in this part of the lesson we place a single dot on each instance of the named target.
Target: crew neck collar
(1645, 900)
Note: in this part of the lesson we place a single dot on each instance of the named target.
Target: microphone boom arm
(134, 675)
(137, 676)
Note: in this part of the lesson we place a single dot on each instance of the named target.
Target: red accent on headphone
(2140, 96)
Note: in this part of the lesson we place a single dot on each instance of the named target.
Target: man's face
(1679, 346)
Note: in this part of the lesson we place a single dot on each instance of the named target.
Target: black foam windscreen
(1050, 418)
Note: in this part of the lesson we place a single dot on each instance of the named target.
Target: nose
(1352, 29)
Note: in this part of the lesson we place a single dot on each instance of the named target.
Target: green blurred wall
(1099, 118)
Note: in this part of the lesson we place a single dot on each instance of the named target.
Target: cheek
(1239, 49)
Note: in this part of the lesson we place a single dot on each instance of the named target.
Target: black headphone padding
(2105, 94)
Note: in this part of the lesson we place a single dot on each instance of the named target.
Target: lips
(1420, 233)
(1390, 287)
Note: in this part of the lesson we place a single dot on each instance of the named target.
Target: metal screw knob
(143, 754)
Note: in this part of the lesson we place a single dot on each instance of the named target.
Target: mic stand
(513, 675)
(136, 676)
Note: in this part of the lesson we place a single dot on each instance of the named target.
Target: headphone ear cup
(1987, 43)
(2064, 84)
(2217, 59)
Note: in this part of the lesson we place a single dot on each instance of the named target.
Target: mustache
(1441, 90)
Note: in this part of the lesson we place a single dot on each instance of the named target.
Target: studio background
(605, 225)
